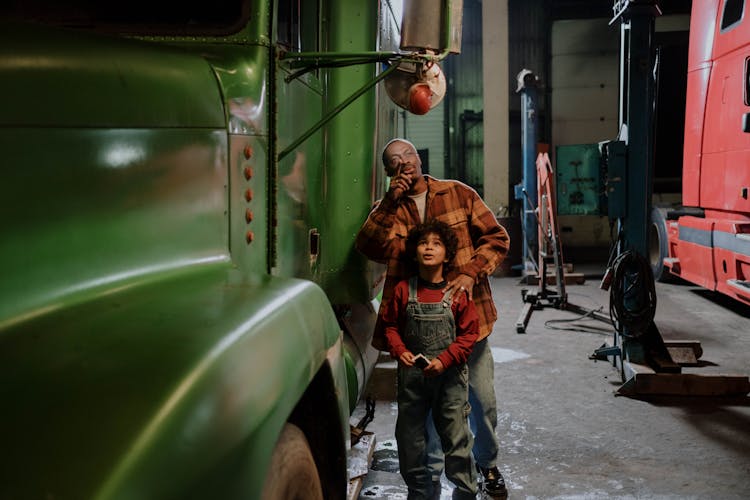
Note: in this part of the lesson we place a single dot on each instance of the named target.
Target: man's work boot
(493, 484)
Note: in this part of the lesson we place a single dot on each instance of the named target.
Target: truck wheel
(292, 473)
(658, 246)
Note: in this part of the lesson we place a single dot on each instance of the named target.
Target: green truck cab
(181, 306)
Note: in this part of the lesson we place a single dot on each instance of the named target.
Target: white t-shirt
(421, 201)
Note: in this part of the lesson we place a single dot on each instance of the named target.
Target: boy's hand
(406, 358)
(434, 369)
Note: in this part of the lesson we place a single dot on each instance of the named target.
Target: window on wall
(297, 25)
(732, 15)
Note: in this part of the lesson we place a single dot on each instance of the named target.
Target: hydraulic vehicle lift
(648, 364)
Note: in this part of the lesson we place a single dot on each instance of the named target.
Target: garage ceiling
(583, 9)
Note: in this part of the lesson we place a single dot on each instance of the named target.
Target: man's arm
(490, 239)
(374, 239)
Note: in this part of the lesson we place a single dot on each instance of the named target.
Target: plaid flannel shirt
(482, 242)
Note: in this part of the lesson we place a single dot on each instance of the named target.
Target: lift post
(637, 88)
(526, 192)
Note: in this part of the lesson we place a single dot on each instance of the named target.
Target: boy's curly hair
(434, 226)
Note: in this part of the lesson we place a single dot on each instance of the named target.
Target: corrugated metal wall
(465, 135)
(427, 132)
(529, 27)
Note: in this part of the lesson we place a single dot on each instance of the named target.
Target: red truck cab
(708, 241)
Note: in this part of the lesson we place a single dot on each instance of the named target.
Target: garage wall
(584, 78)
(584, 72)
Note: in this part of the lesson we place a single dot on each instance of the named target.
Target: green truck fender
(175, 388)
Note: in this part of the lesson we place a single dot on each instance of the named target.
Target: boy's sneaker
(493, 484)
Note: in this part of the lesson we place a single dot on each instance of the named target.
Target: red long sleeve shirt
(464, 313)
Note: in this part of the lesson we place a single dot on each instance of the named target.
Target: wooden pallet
(360, 458)
(643, 380)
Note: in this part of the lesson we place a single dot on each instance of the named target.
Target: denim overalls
(430, 329)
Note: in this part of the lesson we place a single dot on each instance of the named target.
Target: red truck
(707, 240)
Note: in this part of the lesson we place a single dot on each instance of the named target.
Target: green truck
(182, 313)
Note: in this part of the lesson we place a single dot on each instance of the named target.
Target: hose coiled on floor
(632, 295)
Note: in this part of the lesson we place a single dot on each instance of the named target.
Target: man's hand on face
(403, 166)
(400, 184)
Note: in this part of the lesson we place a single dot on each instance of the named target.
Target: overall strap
(448, 298)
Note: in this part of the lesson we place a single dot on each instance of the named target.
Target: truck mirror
(416, 88)
(432, 25)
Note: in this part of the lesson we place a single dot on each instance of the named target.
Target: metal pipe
(331, 114)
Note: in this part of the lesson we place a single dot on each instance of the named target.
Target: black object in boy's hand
(421, 362)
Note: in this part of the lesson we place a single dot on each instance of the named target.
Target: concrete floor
(564, 434)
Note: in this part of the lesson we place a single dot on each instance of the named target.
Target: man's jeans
(483, 416)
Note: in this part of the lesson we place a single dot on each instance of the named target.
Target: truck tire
(658, 246)
(292, 473)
